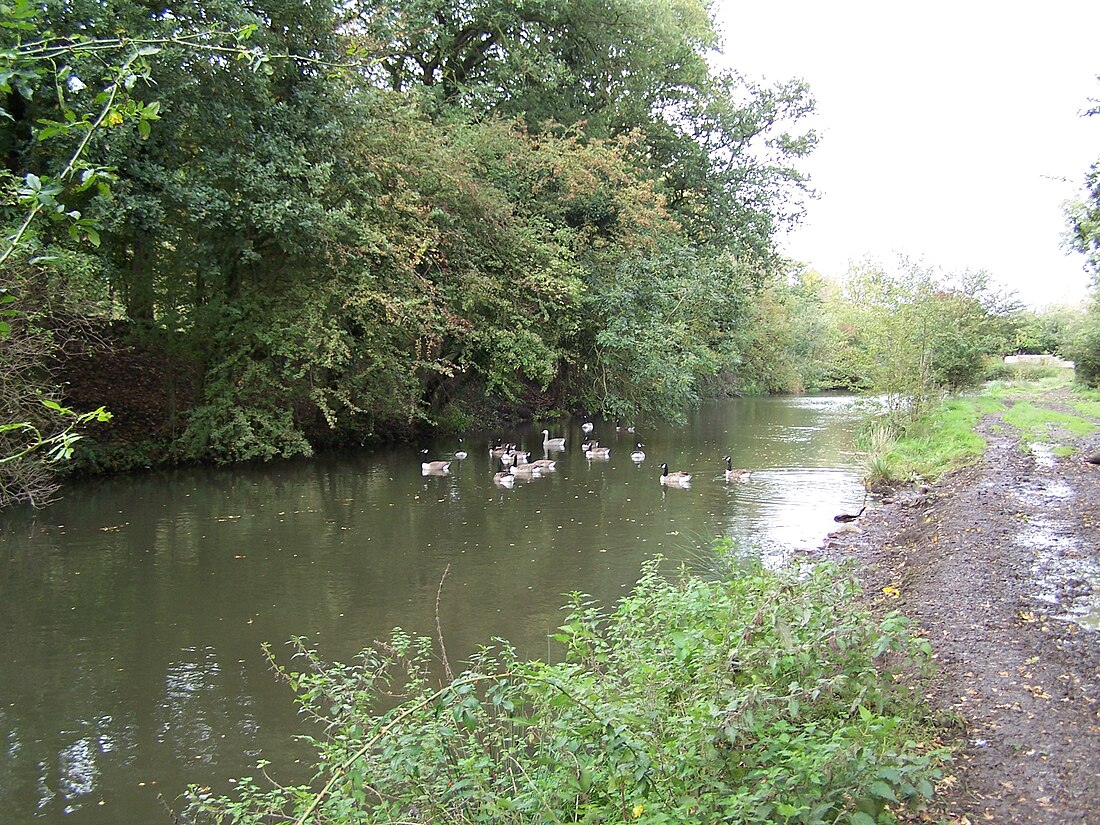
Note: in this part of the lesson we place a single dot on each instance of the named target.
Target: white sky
(950, 131)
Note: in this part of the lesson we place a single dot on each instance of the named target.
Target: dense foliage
(756, 697)
(917, 333)
(1083, 218)
(345, 219)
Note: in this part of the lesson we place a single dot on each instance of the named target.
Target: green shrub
(763, 697)
(1085, 349)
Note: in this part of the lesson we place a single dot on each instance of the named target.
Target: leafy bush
(764, 697)
(1085, 349)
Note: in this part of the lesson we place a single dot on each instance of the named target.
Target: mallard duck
(434, 466)
(735, 475)
(638, 454)
(552, 443)
(674, 479)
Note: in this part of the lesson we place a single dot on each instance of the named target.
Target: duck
(552, 443)
(434, 466)
(638, 454)
(674, 479)
(587, 427)
(596, 451)
(736, 475)
(461, 453)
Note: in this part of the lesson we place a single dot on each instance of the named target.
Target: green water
(133, 611)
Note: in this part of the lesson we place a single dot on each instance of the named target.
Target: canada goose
(736, 475)
(504, 478)
(621, 429)
(847, 518)
(460, 453)
(546, 465)
(497, 449)
(552, 443)
(434, 466)
(674, 479)
(596, 451)
(526, 470)
(587, 427)
(638, 454)
(588, 444)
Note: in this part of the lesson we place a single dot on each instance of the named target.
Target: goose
(587, 427)
(526, 470)
(434, 466)
(596, 451)
(552, 443)
(504, 478)
(674, 479)
(638, 454)
(622, 429)
(460, 453)
(497, 448)
(847, 518)
(588, 444)
(736, 475)
(546, 465)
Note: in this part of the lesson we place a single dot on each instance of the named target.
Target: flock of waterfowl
(516, 463)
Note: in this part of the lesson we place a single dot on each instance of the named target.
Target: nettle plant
(756, 697)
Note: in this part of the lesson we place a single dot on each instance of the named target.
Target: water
(133, 611)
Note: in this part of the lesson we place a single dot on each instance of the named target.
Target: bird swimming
(638, 454)
(555, 443)
(675, 479)
(434, 466)
(735, 475)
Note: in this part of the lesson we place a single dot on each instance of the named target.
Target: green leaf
(881, 790)
(860, 818)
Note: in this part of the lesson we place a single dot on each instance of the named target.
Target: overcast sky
(951, 131)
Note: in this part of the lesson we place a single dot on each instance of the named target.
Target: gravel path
(1000, 565)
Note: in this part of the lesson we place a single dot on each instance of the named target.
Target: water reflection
(134, 611)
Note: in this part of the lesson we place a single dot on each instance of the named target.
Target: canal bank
(999, 564)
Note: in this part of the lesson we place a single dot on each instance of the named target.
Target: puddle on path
(1064, 577)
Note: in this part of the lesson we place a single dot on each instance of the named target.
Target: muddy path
(1000, 565)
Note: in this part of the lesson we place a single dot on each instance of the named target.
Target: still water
(132, 613)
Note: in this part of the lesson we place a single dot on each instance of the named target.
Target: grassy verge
(946, 439)
(941, 441)
(760, 697)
